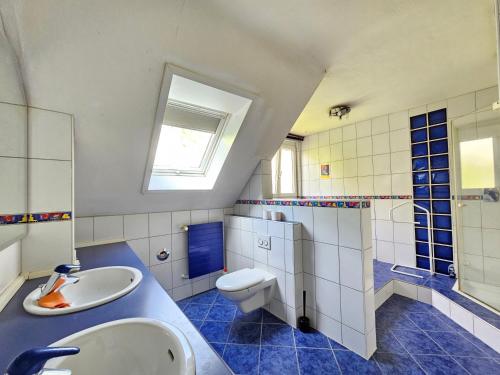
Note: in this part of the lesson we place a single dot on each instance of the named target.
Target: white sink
(96, 287)
(136, 346)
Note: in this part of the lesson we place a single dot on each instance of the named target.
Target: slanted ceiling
(103, 62)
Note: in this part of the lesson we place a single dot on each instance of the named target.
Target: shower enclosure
(476, 158)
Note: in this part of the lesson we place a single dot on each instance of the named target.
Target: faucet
(60, 272)
(31, 362)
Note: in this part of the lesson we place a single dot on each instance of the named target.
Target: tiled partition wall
(431, 190)
(148, 234)
(372, 159)
(49, 240)
(337, 269)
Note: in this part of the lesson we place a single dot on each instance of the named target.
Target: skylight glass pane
(181, 149)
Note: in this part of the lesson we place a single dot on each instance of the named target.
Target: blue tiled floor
(412, 338)
(441, 283)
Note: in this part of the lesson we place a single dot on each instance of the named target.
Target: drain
(171, 355)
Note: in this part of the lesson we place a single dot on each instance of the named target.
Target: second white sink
(96, 287)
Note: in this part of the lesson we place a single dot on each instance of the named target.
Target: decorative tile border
(306, 202)
(35, 218)
(360, 197)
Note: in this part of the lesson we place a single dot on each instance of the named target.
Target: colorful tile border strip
(360, 197)
(35, 218)
(306, 202)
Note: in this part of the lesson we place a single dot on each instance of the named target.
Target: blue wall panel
(205, 249)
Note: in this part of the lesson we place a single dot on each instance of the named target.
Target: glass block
(441, 192)
(418, 135)
(425, 204)
(441, 207)
(420, 164)
(441, 266)
(440, 177)
(423, 263)
(443, 252)
(419, 121)
(419, 149)
(437, 117)
(421, 234)
(420, 178)
(421, 219)
(421, 192)
(422, 248)
(442, 236)
(437, 132)
(439, 162)
(438, 147)
(441, 221)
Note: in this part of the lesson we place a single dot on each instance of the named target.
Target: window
(284, 170)
(196, 123)
(477, 164)
(188, 138)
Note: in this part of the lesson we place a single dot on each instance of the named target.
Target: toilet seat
(242, 279)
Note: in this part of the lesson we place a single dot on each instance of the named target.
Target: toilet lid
(239, 280)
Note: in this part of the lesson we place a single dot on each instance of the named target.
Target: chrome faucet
(31, 362)
(60, 272)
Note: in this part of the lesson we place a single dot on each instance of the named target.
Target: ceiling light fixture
(339, 111)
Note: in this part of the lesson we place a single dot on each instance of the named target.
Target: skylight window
(196, 124)
(188, 139)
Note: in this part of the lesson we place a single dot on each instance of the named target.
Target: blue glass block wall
(431, 189)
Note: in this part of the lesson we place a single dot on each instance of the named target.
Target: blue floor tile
(387, 343)
(394, 320)
(216, 331)
(479, 366)
(243, 359)
(224, 313)
(439, 365)
(417, 342)
(317, 361)
(336, 346)
(206, 298)
(251, 317)
(221, 300)
(267, 317)
(182, 304)
(197, 323)
(277, 334)
(455, 344)
(196, 311)
(276, 360)
(245, 333)
(428, 322)
(313, 339)
(490, 352)
(218, 347)
(391, 363)
(351, 363)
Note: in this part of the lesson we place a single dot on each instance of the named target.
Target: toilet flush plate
(264, 242)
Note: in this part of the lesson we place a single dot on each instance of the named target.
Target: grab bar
(430, 239)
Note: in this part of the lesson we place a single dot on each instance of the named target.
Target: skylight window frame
(209, 153)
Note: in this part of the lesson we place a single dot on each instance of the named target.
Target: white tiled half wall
(337, 270)
(148, 234)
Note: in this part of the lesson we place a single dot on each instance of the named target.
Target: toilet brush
(303, 323)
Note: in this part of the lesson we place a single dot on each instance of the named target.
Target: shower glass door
(476, 158)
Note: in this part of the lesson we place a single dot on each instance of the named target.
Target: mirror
(13, 145)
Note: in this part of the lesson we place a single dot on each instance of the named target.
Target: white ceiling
(380, 56)
(103, 62)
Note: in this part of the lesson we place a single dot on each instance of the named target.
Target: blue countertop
(20, 331)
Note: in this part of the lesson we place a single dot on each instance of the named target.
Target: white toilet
(250, 288)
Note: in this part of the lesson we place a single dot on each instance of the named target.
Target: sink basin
(134, 346)
(96, 287)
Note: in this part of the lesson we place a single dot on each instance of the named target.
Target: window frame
(295, 146)
(211, 147)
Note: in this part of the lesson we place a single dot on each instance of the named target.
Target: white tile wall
(149, 233)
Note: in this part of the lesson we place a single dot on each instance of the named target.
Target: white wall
(259, 185)
(372, 158)
(149, 233)
(10, 265)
